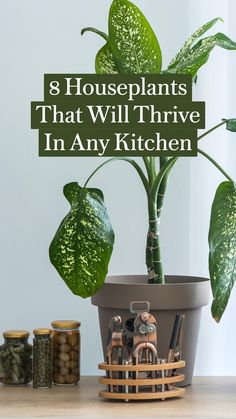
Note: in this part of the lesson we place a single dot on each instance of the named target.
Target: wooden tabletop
(208, 397)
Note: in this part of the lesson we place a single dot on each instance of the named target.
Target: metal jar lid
(65, 324)
(16, 334)
(42, 331)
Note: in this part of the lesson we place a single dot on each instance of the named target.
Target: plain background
(43, 36)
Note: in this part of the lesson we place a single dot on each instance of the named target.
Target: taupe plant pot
(180, 294)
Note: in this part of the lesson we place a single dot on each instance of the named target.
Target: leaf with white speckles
(133, 42)
(222, 242)
(183, 53)
(194, 55)
(105, 63)
(83, 243)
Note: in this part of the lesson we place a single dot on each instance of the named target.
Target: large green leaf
(183, 53)
(222, 242)
(83, 243)
(105, 63)
(199, 54)
(132, 40)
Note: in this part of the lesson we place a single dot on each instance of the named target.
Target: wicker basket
(142, 381)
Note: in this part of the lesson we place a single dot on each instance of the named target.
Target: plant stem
(155, 271)
(212, 129)
(163, 171)
(134, 164)
(154, 264)
(216, 164)
(148, 169)
(155, 186)
(153, 166)
(149, 243)
(170, 163)
(158, 191)
(162, 188)
(153, 256)
(100, 33)
(149, 262)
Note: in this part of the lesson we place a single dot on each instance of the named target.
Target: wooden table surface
(208, 397)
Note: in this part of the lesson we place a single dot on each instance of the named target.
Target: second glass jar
(66, 352)
(42, 358)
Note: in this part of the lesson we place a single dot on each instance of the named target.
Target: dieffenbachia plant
(83, 244)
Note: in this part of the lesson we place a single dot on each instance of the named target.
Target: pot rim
(194, 280)
(117, 292)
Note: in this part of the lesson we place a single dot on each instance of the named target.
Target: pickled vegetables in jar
(42, 358)
(66, 352)
(16, 358)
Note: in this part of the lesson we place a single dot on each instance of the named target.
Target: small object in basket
(144, 339)
(116, 350)
(175, 348)
(129, 325)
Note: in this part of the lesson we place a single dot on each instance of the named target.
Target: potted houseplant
(82, 246)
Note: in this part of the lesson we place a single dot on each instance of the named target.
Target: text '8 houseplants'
(82, 246)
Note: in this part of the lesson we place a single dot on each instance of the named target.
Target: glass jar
(16, 358)
(66, 352)
(42, 358)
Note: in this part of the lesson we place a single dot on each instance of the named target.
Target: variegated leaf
(133, 43)
(222, 242)
(83, 243)
(200, 53)
(105, 63)
(188, 44)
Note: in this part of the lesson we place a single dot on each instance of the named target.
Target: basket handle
(139, 306)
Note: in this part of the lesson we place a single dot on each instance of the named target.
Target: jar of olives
(66, 352)
(16, 358)
(42, 358)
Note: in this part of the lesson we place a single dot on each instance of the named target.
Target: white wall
(41, 37)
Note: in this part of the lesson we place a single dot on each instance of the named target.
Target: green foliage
(82, 246)
(132, 46)
(105, 63)
(194, 54)
(182, 54)
(133, 43)
(231, 125)
(222, 242)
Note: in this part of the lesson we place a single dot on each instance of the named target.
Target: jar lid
(42, 331)
(16, 334)
(65, 324)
